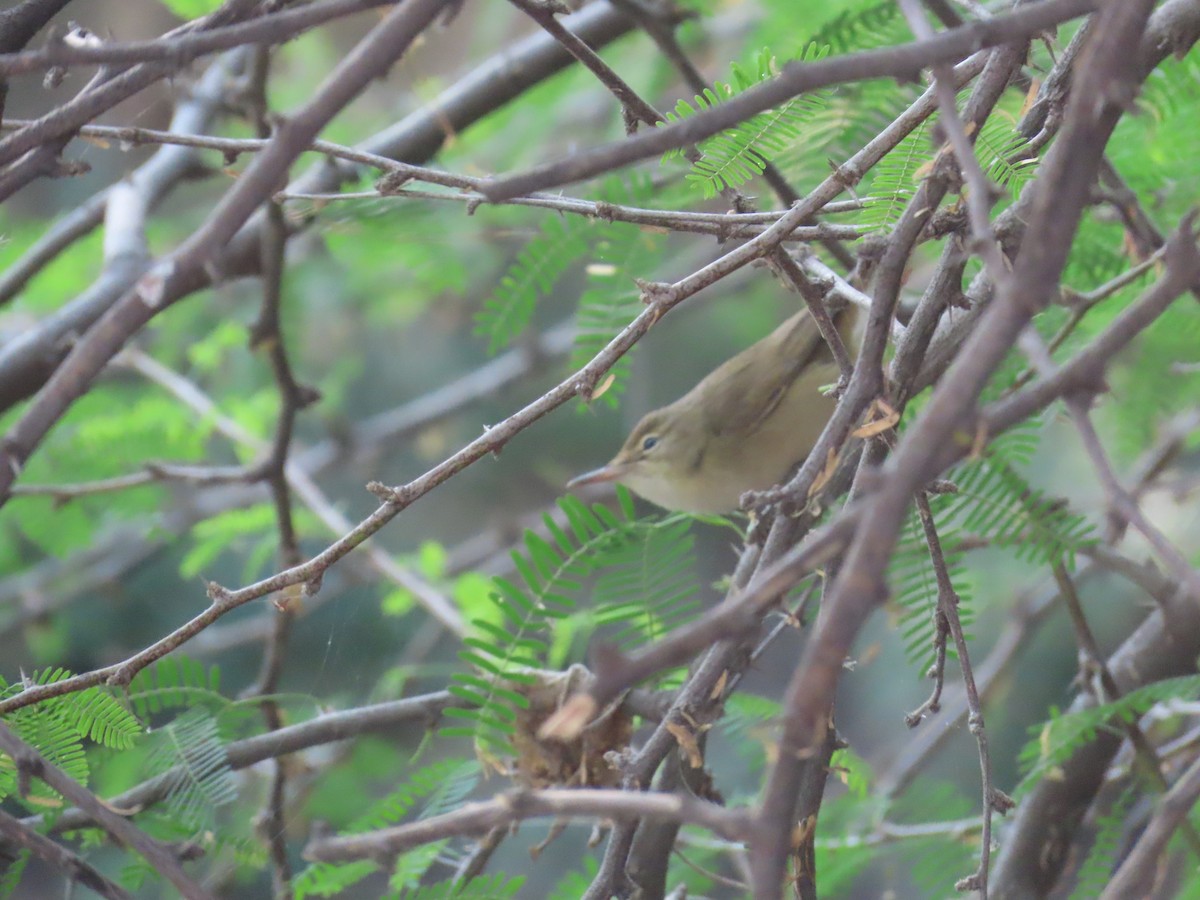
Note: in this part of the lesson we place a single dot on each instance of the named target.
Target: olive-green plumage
(742, 428)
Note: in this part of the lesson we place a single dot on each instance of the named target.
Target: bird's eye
(649, 443)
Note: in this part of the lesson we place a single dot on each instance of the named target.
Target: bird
(744, 427)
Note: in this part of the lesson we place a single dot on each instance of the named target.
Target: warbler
(744, 427)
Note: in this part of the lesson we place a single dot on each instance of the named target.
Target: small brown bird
(742, 428)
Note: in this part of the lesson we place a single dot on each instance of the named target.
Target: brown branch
(1109, 73)
(980, 192)
(153, 179)
(185, 268)
(903, 62)
(273, 27)
(30, 763)
(267, 334)
(109, 88)
(950, 623)
(1136, 876)
(17, 834)
(518, 805)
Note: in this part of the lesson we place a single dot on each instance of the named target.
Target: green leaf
(191, 9)
(533, 274)
(635, 574)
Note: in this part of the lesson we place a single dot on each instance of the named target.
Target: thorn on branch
(69, 168)
(393, 495)
(604, 210)
(307, 395)
(151, 286)
(216, 593)
(630, 120)
(655, 293)
(312, 587)
(121, 678)
(1181, 247)
(970, 883)
(1001, 802)
(392, 182)
(78, 36)
(494, 452)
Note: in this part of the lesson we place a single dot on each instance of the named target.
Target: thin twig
(892, 62)
(949, 622)
(30, 763)
(77, 869)
(516, 806)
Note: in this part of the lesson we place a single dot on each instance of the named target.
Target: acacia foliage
(403, 312)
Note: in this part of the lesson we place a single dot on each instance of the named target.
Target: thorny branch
(854, 543)
(31, 764)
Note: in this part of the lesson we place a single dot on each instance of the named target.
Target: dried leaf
(825, 474)
(719, 687)
(603, 386)
(687, 743)
(880, 417)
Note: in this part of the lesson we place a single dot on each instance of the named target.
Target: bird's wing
(772, 365)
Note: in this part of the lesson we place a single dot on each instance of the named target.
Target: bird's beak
(604, 474)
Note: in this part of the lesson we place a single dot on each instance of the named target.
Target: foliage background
(382, 306)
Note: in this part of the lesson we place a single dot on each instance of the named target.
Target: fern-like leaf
(1004, 155)
(176, 682)
(94, 713)
(738, 154)
(1097, 868)
(11, 872)
(877, 23)
(645, 589)
(534, 273)
(440, 785)
(612, 299)
(190, 756)
(995, 502)
(636, 588)
(1057, 739)
(99, 716)
(482, 887)
(895, 180)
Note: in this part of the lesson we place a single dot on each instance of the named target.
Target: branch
(1061, 190)
(153, 179)
(412, 713)
(30, 763)
(185, 268)
(417, 137)
(1136, 876)
(903, 62)
(16, 834)
(274, 27)
(518, 805)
